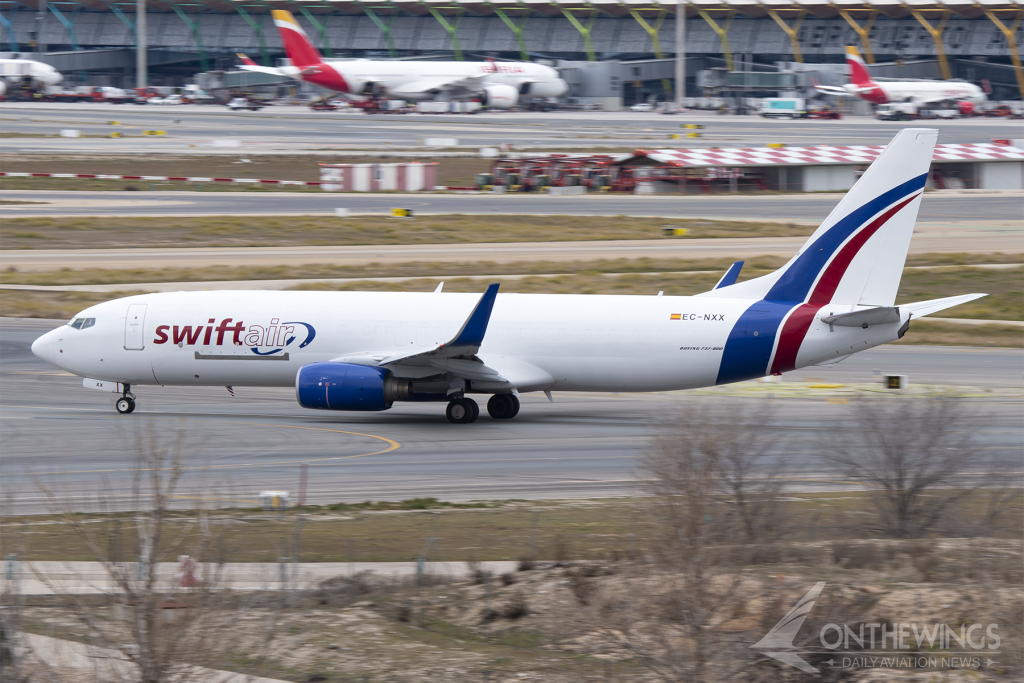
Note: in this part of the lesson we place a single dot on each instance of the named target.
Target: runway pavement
(33, 260)
(951, 209)
(291, 129)
(582, 445)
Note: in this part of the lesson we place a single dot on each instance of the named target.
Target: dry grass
(90, 276)
(53, 305)
(459, 171)
(254, 231)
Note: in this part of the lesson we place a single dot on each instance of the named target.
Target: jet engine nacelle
(348, 386)
(500, 96)
(553, 88)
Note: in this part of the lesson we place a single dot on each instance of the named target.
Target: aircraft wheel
(460, 411)
(124, 405)
(503, 406)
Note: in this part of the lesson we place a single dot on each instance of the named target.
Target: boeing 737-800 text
(368, 350)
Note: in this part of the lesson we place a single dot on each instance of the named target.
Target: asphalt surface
(953, 210)
(42, 260)
(582, 445)
(290, 129)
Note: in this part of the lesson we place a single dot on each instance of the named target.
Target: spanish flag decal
(676, 316)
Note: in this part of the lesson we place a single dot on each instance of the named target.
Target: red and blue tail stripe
(809, 283)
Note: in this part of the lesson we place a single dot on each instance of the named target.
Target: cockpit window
(82, 323)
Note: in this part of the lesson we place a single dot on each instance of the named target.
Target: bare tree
(673, 620)
(741, 447)
(12, 603)
(906, 449)
(163, 626)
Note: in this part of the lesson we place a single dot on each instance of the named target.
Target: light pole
(141, 66)
(680, 52)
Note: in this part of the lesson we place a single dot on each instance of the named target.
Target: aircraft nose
(42, 347)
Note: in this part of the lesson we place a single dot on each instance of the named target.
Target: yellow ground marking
(392, 446)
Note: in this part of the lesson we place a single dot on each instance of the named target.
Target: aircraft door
(134, 323)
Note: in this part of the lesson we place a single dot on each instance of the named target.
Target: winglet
(730, 275)
(245, 59)
(472, 332)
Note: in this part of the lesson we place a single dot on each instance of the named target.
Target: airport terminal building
(95, 39)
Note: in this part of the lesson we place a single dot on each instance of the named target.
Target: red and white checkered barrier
(817, 156)
(154, 178)
(403, 176)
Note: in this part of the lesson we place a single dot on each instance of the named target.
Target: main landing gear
(464, 410)
(503, 406)
(126, 403)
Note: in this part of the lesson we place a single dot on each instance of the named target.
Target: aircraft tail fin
(859, 74)
(857, 255)
(297, 45)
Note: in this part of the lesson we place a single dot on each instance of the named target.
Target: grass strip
(70, 232)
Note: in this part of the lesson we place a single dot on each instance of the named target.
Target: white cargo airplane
(367, 350)
(921, 93)
(14, 70)
(498, 84)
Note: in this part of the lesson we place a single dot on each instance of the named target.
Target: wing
(831, 89)
(457, 356)
(263, 70)
(730, 275)
(470, 83)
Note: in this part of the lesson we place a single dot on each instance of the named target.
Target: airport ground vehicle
(899, 111)
(783, 107)
(365, 351)
(642, 107)
(243, 104)
(823, 112)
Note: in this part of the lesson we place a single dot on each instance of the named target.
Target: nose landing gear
(126, 403)
(462, 411)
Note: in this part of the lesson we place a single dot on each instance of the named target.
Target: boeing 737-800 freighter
(365, 351)
(497, 84)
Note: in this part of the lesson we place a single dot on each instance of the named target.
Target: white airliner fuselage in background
(497, 84)
(369, 350)
(14, 70)
(921, 93)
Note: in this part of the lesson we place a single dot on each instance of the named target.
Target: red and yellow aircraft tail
(296, 43)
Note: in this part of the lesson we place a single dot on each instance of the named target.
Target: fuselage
(16, 69)
(535, 341)
(394, 77)
(917, 91)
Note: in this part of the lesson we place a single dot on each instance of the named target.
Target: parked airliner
(365, 351)
(13, 71)
(497, 84)
(919, 92)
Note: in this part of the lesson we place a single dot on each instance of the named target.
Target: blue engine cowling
(347, 386)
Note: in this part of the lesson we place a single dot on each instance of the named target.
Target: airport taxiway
(582, 445)
(191, 129)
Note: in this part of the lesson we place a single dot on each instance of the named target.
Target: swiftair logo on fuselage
(262, 340)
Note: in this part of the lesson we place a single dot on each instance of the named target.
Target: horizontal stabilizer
(869, 317)
(730, 275)
(923, 308)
